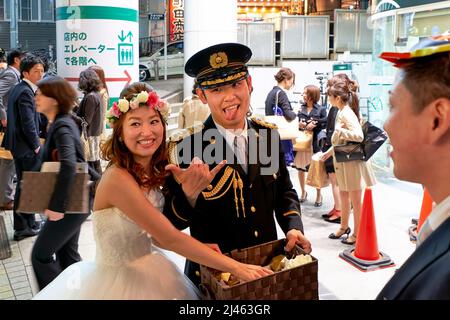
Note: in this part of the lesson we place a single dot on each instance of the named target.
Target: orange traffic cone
(427, 206)
(365, 256)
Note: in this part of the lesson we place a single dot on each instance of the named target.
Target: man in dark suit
(22, 136)
(233, 208)
(419, 131)
(8, 79)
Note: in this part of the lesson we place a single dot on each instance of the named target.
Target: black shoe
(25, 233)
(304, 198)
(38, 225)
(318, 203)
(338, 236)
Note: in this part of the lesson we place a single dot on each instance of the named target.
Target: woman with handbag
(277, 103)
(352, 176)
(91, 110)
(58, 237)
(312, 119)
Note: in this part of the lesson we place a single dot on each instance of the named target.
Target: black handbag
(374, 137)
(350, 151)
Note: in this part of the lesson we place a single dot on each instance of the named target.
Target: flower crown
(142, 98)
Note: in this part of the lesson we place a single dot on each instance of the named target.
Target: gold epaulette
(263, 123)
(177, 136)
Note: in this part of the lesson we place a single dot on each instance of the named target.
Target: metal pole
(165, 39)
(13, 29)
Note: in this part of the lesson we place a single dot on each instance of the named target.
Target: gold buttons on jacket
(210, 187)
(252, 209)
(197, 273)
(256, 234)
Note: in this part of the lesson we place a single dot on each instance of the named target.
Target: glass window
(35, 10)
(415, 25)
(7, 9)
(2, 10)
(25, 10)
(47, 7)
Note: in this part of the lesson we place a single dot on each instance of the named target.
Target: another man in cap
(236, 210)
(419, 131)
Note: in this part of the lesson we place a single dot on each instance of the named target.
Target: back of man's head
(28, 62)
(12, 55)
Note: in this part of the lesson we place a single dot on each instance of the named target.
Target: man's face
(35, 74)
(406, 131)
(229, 104)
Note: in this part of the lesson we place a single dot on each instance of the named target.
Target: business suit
(236, 210)
(59, 237)
(22, 139)
(426, 273)
(8, 79)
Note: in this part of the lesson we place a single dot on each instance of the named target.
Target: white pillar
(98, 32)
(207, 22)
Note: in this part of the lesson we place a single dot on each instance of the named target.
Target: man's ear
(439, 110)
(249, 84)
(201, 95)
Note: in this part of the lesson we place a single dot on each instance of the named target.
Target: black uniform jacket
(237, 209)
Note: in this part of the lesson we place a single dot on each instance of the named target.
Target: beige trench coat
(352, 175)
(192, 112)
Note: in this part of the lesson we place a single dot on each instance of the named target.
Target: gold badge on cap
(218, 60)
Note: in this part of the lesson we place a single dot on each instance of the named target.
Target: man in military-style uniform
(236, 208)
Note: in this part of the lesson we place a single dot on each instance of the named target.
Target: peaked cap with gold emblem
(219, 65)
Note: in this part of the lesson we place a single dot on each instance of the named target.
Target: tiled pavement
(395, 204)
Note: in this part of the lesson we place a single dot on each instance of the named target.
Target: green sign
(342, 67)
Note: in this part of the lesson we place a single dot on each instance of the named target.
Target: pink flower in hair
(152, 99)
(115, 110)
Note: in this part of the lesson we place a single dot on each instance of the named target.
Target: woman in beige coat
(353, 176)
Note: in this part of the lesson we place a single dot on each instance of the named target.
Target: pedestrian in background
(312, 118)
(193, 111)
(56, 247)
(104, 92)
(334, 216)
(91, 111)
(352, 176)
(277, 103)
(9, 78)
(22, 137)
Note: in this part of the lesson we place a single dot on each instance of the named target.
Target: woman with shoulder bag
(277, 103)
(312, 119)
(352, 176)
(92, 111)
(58, 237)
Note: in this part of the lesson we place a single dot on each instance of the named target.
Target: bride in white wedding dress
(127, 210)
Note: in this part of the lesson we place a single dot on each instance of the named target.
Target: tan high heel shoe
(338, 235)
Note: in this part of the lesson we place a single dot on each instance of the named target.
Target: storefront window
(25, 10)
(415, 25)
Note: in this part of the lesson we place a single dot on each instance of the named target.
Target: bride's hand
(248, 272)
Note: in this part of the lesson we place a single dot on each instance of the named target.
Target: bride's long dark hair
(116, 152)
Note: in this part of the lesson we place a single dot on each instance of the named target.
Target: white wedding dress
(127, 266)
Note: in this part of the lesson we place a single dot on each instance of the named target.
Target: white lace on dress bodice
(119, 240)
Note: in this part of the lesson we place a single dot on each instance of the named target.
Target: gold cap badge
(218, 60)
